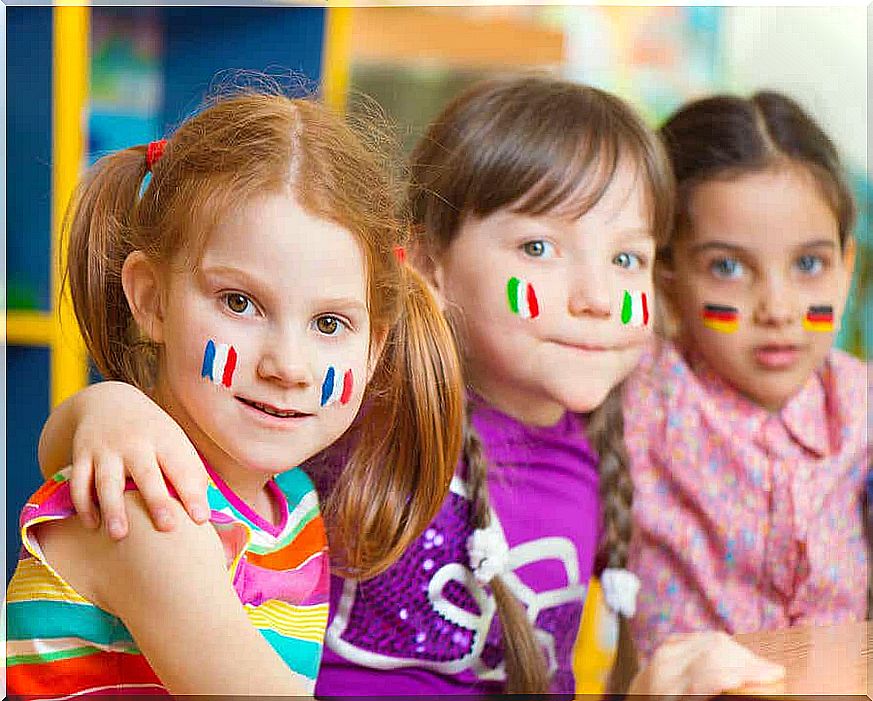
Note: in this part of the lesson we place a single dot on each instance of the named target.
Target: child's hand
(703, 664)
(117, 431)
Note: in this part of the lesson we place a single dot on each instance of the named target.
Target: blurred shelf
(404, 34)
(30, 328)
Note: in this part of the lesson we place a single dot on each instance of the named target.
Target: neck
(248, 485)
(516, 402)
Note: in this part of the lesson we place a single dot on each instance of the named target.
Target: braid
(526, 670)
(606, 434)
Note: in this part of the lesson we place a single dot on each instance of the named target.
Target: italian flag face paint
(634, 309)
(522, 298)
(721, 317)
(336, 388)
(219, 362)
(819, 318)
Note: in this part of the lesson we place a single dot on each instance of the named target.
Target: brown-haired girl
(537, 205)
(747, 431)
(252, 292)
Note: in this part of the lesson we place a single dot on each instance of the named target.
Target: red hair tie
(154, 151)
(400, 254)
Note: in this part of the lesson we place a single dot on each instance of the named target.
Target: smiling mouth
(273, 411)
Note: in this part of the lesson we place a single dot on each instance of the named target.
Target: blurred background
(83, 81)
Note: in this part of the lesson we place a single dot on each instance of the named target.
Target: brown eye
(237, 303)
(328, 325)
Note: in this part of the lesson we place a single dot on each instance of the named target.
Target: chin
(584, 402)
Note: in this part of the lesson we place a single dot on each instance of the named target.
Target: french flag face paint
(219, 362)
(635, 309)
(522, 298)
(336, 388)
(819, 318)
(720, 317)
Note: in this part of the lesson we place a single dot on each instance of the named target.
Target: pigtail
(526, 670)
(99, 225)
(413, 424)
(606, 434)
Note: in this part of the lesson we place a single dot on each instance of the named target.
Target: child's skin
(289, 304)
(578, 276)
(769, 244)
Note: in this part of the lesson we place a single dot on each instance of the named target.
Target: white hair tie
(488, 552)
(620, 589)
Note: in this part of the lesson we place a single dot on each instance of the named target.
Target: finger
(143, 468)
(182, 466)
(81, 489)
(109, 478)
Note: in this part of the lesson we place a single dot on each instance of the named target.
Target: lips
(271, 410)
(777, 356)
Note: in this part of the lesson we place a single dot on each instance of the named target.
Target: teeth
(273, 412)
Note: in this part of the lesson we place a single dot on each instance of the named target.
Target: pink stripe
(347, 387)
(305, 585)
(229, 367)
(247, 510)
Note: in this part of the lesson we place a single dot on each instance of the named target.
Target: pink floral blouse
(745, 519)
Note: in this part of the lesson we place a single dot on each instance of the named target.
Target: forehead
(274, 237)
(772, 209)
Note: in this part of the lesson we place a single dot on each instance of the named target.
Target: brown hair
(725, 136)
(537, 145)
(248, 144)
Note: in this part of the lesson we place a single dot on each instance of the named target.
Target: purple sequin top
(424, 626)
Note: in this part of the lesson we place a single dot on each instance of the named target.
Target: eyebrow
(710, 245)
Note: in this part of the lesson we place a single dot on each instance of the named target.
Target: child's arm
(173, 593)
(703, 664)
(109, 431)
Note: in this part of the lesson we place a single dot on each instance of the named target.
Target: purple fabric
(424, 626)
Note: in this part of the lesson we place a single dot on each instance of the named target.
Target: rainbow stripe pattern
(522, 298)
(333, 390)
(634, 309)
(720, 317)
(59, 644)
(219, 362)
(819, 318)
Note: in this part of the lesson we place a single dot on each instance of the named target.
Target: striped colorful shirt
(59, 644)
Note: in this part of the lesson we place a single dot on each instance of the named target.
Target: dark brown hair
(537, 145)
(726, 136)
(250, 144)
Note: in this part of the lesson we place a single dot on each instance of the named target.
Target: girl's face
(767, 245)
(570, 348)
(288, 291)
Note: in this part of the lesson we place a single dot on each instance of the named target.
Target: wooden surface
(831, 660)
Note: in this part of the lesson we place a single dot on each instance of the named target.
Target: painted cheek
(522, 298)
(336, 387)
(634, 308)
(819, 318)
(219, 363)
(721, 317)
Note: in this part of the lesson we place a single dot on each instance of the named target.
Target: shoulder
(847, 382)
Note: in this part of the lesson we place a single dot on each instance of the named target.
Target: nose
(777, 302)
(284, 359)
(589, 291)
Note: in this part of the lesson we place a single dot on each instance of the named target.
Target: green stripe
(62, 655)
(302, 656)
(304, 521)
(512, 293)
(626, 308)
(26, 620)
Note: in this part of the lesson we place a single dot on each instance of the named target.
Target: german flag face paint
(720, 317)
(522, 298)
(819, 318)
(634, 309)
(219, 362)
(335, 388)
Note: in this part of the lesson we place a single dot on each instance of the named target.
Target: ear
(141, 283)
(429, 263)
(850, 250)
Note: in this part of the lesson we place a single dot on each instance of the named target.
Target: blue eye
(727, 268)
(330, 325)
(628, 261)
(538, 248)
(239, 304)
(810, 265)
